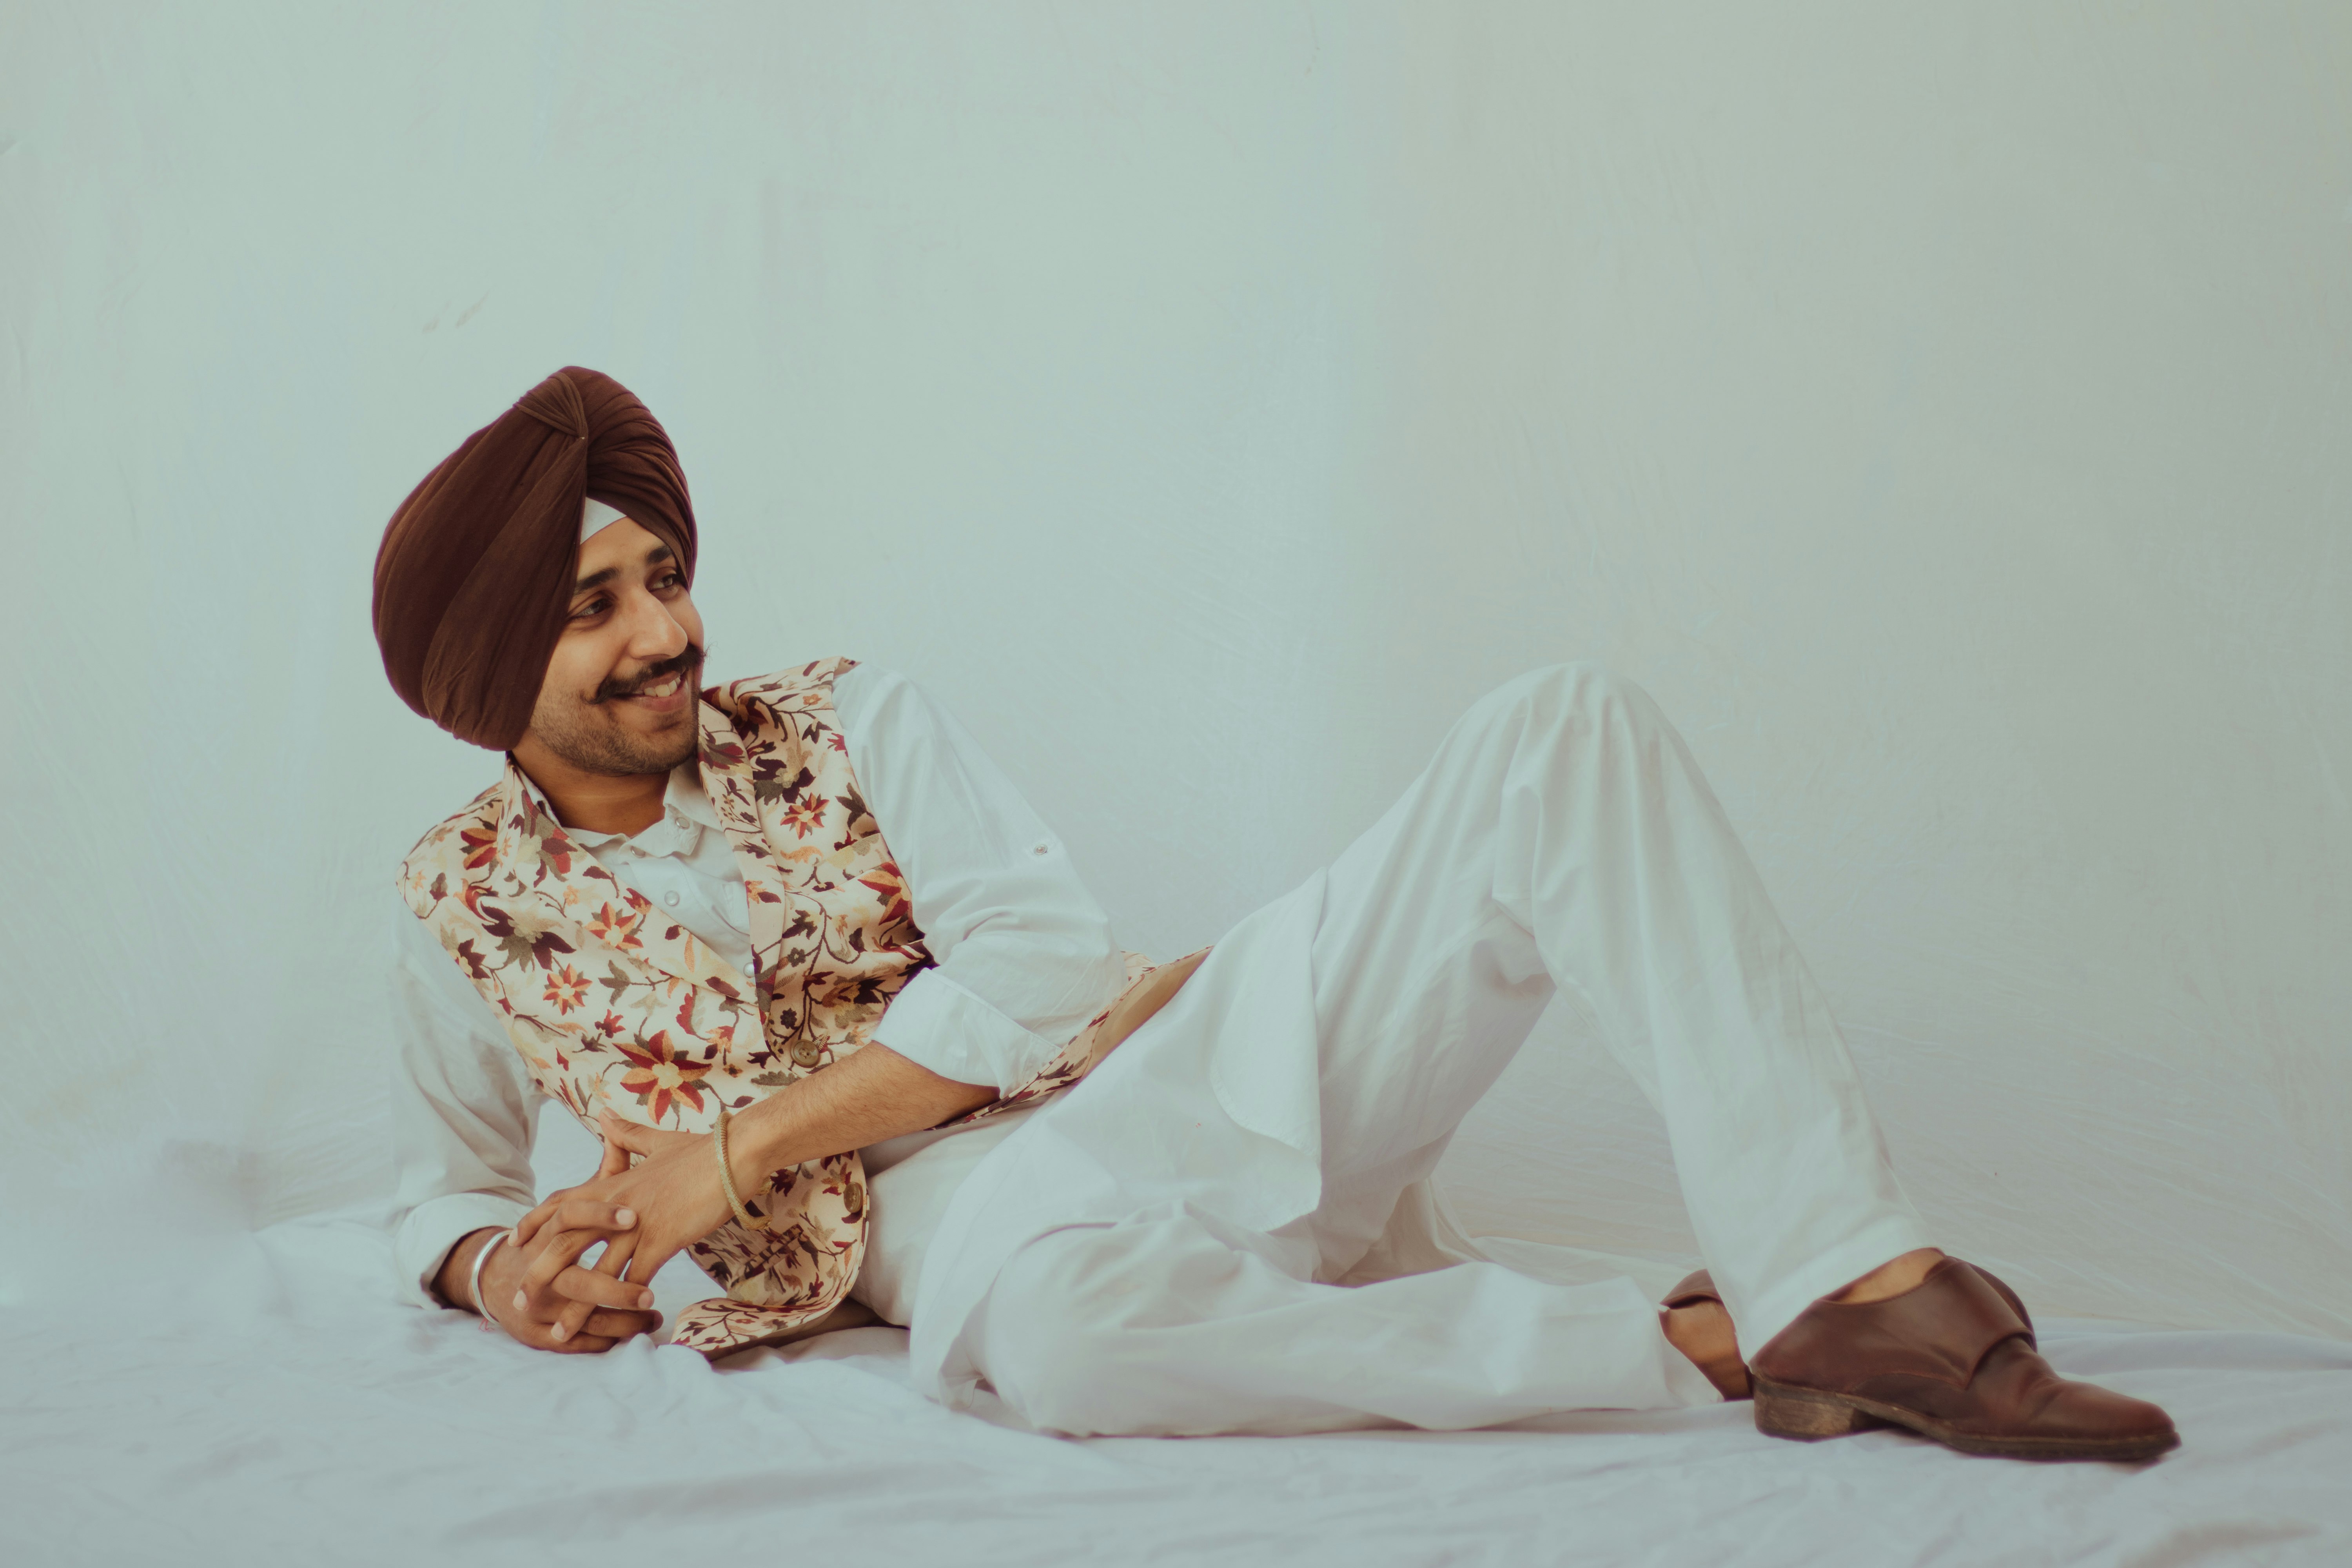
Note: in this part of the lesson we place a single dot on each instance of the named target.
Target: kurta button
(670, 898)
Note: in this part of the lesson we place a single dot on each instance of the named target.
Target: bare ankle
(1704, 1334)
(1892, 1278)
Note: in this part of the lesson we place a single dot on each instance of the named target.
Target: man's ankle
(1703, 1334)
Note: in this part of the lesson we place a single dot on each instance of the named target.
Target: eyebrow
(658, 554)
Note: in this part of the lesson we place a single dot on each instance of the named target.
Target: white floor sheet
(259, 1399)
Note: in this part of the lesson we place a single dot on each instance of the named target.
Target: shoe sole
(1811, 1415)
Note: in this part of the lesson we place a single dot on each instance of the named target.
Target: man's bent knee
(1082, 1323)
(1555, 696)
(1052, 1328)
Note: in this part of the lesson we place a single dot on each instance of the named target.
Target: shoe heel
(1804, 1417)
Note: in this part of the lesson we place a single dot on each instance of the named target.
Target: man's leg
(1172, 1325)
(1606, 847)
(1563, 835)
(1561, 830)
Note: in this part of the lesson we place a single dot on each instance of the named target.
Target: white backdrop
(1941, 410)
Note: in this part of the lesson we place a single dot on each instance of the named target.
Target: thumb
(625, 1136)
(615, 1160)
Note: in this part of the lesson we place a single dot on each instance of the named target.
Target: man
(797, 935)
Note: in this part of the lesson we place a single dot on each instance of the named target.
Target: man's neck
(592, 802)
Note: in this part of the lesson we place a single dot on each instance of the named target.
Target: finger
(627, 1135)
(601, 1323)
(595, 1287)
(618, 1326)
(612, 1267)
(590, 1214)
(525, 1331)
(527, 1227)
(561, 1249)
(578, 1224)
(616, 1159)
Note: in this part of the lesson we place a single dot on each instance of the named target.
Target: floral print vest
(613, 1007)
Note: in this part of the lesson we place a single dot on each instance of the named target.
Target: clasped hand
(653, 1193)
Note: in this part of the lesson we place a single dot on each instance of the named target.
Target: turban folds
(473, 581)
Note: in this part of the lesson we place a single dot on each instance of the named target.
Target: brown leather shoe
(1951, 1360)
(1700, 1287)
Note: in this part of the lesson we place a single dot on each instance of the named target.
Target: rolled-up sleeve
(463, 1108)
(1025, 955)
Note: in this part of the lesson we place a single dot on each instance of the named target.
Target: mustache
(689, 660)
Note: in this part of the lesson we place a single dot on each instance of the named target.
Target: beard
(588, 735)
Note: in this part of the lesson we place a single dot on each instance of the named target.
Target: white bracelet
(482, 1307)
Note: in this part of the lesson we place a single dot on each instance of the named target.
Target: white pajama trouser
(1562, 837)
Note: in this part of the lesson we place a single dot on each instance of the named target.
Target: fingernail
(521, 1301)
(624, 1217)
(558, 1332)
(513, 1238)
(645, 1299)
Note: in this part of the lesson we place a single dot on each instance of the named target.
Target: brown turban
(474, 579)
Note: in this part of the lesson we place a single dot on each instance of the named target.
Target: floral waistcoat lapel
(832, 933)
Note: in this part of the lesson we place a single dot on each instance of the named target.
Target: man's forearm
(861, 1099)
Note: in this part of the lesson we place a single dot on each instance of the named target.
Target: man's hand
(671, 1194)
(669, 1181)
(577, 1311)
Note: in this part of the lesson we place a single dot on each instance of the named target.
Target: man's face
(619, 697)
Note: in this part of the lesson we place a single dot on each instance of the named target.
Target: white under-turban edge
(595, 517)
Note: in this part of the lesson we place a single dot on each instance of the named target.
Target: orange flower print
(891, 883)
(618, 929)
(481, 847)
(656, 1076)
(567, 988)
(805, 815)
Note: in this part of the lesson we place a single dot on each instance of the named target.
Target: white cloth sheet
(266, 1400)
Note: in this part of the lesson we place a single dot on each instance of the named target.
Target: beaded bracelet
(743, 1216)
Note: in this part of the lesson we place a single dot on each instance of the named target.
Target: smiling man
(913, 1077)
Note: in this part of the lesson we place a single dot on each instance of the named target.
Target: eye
(668, 581)
(592, 609)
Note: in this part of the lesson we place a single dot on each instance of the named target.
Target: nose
(654, 633)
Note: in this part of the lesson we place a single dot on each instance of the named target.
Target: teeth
(662, 687)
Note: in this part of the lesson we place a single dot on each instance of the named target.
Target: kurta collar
(686, 812)
(537, 853)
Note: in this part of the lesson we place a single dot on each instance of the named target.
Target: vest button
(805, 1054)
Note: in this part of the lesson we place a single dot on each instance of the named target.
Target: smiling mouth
(668, 686)
(660, 686)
